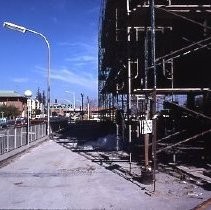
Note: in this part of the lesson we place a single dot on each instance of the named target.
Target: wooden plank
(195, 172)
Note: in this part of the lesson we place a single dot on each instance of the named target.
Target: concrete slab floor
(50, 176)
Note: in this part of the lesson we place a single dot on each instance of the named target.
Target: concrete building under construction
(154, 77)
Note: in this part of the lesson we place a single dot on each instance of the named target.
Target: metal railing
(13, 138)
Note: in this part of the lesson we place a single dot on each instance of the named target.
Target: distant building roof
(10, 93)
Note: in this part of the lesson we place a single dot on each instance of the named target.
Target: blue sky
(71, 27)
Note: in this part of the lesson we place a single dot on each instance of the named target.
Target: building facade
(12, 98)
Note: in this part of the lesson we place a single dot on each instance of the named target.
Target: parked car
(3, 122)
(20, 122)
(10, 123)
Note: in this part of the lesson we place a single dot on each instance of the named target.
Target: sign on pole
(145, 126)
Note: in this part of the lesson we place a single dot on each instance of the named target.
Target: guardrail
(13, 138)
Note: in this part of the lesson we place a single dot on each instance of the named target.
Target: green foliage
(10, 111)
(41, 96)
(37, 111)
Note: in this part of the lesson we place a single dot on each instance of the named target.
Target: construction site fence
(14, 138)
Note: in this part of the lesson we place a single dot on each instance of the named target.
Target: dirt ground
(51, 176)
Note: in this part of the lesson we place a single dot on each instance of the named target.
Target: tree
(39, 95)
(43, 98)
(10, 111)
(37, 111)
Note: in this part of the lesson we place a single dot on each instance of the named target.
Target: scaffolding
(154, 63)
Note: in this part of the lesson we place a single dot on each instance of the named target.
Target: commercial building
(13, 98)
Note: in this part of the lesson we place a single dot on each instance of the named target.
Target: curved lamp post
(23, 30)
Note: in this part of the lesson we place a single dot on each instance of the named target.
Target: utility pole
(82, 106)
(88, 107)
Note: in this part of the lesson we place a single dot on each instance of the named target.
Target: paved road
(50, 176)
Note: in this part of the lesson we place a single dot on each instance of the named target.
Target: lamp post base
(146, 177)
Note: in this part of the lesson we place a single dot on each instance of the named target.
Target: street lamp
(67, 91)
(23, 30)
(28, 95)
(88, 107)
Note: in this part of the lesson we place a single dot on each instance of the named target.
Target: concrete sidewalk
(50, 176)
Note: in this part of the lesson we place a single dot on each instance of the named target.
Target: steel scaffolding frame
(151, 52)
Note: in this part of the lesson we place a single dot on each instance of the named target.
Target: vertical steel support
(129, 93)
(154, 132)
(113, 111)
(146, 60)
(172, 77)
(122, 100)
(116, 29)
(117, 136)
(128, 6)
(146, 137)
(109, 105)
(146, 105)
(137, 126)
(129, 112)
(123, 125)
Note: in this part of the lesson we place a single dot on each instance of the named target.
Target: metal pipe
(129, 112)
(28, 121)
(175, 90)
(172, 77)
(154, 132)
(203, 133)
(82, 106)
(146, 59)
(184, 17)
(88, 108)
